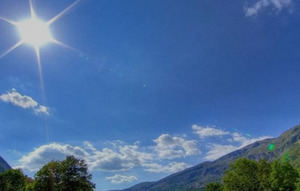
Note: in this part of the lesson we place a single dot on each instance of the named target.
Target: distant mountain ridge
(4, 165)
(287, 146)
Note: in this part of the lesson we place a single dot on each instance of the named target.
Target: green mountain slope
(287, 147)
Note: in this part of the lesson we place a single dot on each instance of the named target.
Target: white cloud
(159, 158)
(169, 168)
(261, 4)
(122, 157)
(125, 157)
(208, 131)
(168, 147)
(216, 151)
(46, 153)
(24, 102)
(119, 179)
(235, 142)
(244, 141)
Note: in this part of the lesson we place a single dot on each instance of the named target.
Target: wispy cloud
(208, 131)
(24, 101)
(278, 5)
(231, 142)
(217, 150)
(119, 179)
(169, 168)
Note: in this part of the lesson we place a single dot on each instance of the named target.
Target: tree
(75, 176)
(215, 186)
(242, 176)
(263, 172)
(48, 177)
(68, 175)
(283, 176)
(12, 180)
(298, 181)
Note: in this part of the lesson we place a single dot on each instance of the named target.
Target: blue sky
(153, 86)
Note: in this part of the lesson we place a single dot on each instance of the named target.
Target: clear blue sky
(155, 86)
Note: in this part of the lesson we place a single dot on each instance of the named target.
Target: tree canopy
(70, 174)
(251, 175)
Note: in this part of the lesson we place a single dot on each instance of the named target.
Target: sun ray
(11, 49)
(31, 9)
(9, 21)
(62, 12)
(65, 46)
(38, 57)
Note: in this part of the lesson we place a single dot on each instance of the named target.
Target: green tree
(298, 182)
(48, 177)
(215, 186)
(283, 176)
(68, 175)
(263, 172)
(12, 180)
(75, 176)
(242, 176)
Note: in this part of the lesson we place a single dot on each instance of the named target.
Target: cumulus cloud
(119, 158)
(23, 101)
(261, 4)
(162, 157)
(125, 157)
(168, 147)
(208, 131)
(46, 153)
(119, 179)
(169, 168)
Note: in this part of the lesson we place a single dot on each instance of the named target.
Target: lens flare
(271, 147)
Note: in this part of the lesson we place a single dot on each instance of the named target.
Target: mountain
(287, 147)
(4, 165)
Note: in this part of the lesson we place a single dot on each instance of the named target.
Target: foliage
(242, 176)
(283, 176)
(215, 186)
(250, 175)
(68, 175)
(48, 177)
(12, 180)
(263, 173)
(298, 182)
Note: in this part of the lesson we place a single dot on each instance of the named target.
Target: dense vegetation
(250, 175)
(68, 175)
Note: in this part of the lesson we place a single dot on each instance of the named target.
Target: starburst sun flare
(35, 32)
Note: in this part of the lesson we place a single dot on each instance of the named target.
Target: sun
(34, 32)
